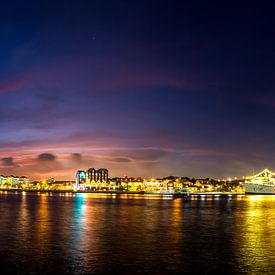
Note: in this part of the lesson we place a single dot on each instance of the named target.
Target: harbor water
(43, 233)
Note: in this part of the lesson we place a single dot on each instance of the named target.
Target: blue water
(135, 234)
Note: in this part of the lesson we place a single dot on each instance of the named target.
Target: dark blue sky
(147, 88)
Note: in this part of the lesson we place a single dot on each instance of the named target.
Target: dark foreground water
(100, 234)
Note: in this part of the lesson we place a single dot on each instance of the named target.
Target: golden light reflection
(177, 213)
(241, 197)
(24, 218)
(43, 220)
(256, 229)
(261, 198)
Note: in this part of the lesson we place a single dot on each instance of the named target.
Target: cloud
(8, 161)
(121, 159)
(46, 157)
(76, 156)
(148, 154)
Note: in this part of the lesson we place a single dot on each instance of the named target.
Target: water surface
(135, 234)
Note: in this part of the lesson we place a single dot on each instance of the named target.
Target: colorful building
(91, 179)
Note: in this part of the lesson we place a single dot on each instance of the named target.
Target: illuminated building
(91, 174)
(13, 182)
(80, 178)
(158, 186)
(100, 175)
(61, 185)
(91, 178)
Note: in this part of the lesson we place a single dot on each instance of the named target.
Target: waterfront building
(91, 174)
(100, 175)
(24, 182)
(127, 184)
(61, 185)
(158, 186)
(133, 186)
(3, 180)
(91, 179)
(178, 185)
(13, 182)
(80, 178)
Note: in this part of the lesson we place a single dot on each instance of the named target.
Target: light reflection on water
(256, 236)
(136, 234)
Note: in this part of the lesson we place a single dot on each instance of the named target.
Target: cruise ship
(261, 183)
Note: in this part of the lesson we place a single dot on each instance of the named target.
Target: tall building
(102, 175)
(92, 174)
(85, 178)
(80, 178)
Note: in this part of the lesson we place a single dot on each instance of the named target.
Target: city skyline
(143, 89)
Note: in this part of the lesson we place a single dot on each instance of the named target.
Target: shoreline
(113, 192)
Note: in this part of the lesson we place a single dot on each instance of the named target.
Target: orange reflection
(43, 220)
(177, 216)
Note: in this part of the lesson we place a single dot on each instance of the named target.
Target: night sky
(142, 88)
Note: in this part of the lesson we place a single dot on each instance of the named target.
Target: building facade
(91, 178)
(13, 182)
